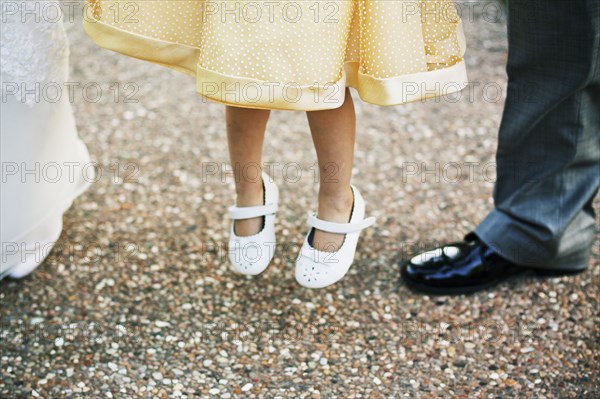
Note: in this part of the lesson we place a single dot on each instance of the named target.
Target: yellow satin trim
(180, 57)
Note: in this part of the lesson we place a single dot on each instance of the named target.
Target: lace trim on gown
(34, 49)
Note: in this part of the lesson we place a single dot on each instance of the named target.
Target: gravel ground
(137, 299)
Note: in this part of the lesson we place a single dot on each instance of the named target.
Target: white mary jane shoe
(251, 255)
(318, 269)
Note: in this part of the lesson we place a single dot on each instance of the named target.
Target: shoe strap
(339, 228)
(249, 212)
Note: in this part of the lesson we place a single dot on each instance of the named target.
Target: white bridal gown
(45, 166)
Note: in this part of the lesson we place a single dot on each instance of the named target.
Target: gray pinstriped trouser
(548, 156)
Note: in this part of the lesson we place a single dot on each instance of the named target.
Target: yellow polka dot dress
(294, 55)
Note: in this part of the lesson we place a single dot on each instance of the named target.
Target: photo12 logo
(53, 92)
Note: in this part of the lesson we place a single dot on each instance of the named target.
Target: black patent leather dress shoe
(458, 268)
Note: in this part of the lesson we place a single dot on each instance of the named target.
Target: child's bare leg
(333, 133)
(245, 135)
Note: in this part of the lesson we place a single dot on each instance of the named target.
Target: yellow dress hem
(250, 93)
